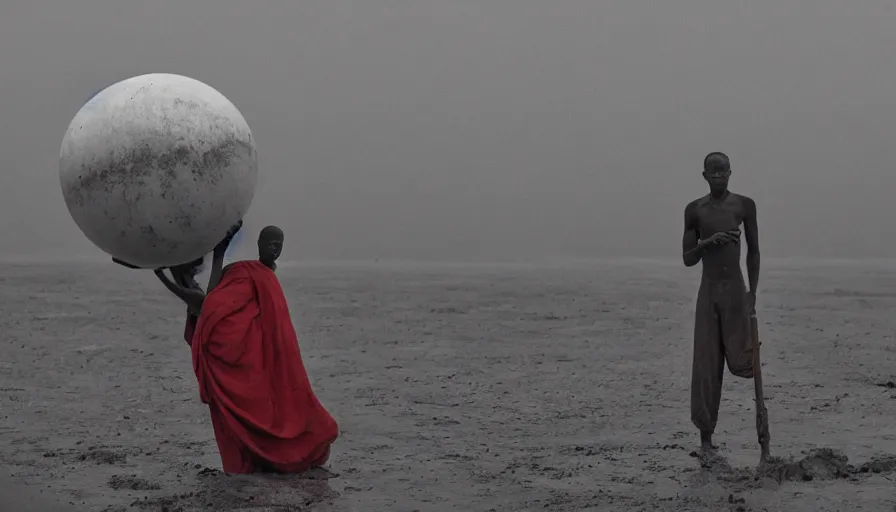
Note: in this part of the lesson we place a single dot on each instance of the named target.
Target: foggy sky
(486, 129)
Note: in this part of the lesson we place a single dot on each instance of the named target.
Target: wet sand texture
(17, 497)
(461, 389)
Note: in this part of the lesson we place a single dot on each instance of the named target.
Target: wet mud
(481, 388)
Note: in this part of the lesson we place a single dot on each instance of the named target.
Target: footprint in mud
(132, 482)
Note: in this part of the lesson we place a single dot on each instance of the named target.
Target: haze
(486, 129)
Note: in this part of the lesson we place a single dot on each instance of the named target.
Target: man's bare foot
(765, 458)
(706, 445)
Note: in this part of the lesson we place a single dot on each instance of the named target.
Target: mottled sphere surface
(155, 169)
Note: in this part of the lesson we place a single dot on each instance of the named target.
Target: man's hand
(222, 246)
(724, 238)
(193, 297)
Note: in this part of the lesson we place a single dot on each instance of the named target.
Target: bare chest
(717, 216)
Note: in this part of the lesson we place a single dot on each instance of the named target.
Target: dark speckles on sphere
(215, 159)
(142, 161)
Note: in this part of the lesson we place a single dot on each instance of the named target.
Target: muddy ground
(470, 388)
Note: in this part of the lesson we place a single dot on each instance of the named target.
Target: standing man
(724, 304)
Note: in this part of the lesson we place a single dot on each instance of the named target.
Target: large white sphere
(156, 168)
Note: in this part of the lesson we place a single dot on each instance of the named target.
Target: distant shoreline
(533, 264)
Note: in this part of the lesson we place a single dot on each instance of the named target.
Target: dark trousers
(721, 333)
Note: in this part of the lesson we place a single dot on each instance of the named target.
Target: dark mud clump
(168, 503)
(818, 464)
(885, 464)
(209, 472)
(103, 457)
(132, 482)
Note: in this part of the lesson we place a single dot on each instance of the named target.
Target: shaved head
(271, 233)
(716, 171)
(716, 161)
(270, 243)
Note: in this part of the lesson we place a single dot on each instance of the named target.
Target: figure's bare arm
(171, 285)
(751, 235)
(192, 297)
(217, 271)
(180, 277)
(691, 247)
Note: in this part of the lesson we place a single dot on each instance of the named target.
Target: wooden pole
(761, 412)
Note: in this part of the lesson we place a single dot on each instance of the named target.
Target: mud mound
(818, 464)
(879, 464)
(132, 482)
(205, 471)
